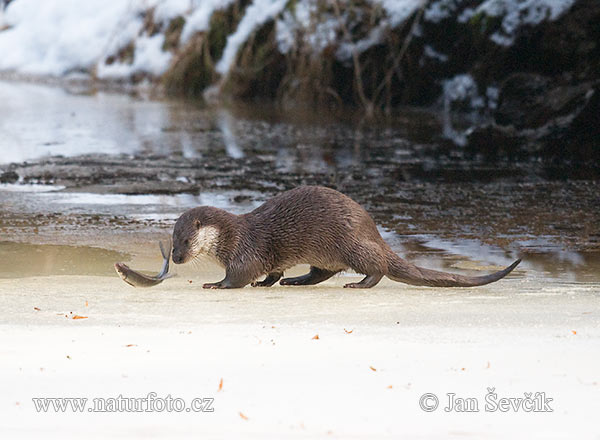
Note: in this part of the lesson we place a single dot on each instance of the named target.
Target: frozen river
(90, 178)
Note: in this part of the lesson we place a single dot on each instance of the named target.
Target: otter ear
(197, 224)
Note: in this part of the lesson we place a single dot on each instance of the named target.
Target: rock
(9, 177)
(493, 141)
(529, 100)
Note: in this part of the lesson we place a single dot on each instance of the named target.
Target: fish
(137, 279)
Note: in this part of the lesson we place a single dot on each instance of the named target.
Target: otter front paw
(218, 285)
(260, 284)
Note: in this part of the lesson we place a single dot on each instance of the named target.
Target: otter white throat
(205, 242)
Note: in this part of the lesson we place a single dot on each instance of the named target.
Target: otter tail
(405, 272)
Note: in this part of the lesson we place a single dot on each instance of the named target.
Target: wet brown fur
(307, 225)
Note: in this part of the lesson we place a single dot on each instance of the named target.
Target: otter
(307, 225)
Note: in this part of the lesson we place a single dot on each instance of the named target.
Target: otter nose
(177, 259)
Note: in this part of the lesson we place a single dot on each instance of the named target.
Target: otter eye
(197, 224)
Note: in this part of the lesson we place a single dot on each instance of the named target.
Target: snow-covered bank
(117, 39)
(56, 37)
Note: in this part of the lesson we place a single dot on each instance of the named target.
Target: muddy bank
(508, 213)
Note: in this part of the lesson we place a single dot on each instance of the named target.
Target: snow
(149, 57)
(259, 12)
(399, 11)
(515, 14)
(58, 37)
(518, 13)
(318, 29)
(430, 52)
(460, 89)
(441, 10)
(374, 37)
(199, 20)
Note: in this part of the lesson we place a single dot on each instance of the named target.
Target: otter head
(196, 233)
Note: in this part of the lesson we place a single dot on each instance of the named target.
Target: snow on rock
(518, 13)
(514, 13)
(460, 91)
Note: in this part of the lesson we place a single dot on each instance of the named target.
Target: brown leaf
(348, 331)
(243, 416)
(86, 303)
(220, 385)
(37, 309)
(131, 345)
(574, 332)
(373, 368)
(316, 336)
(79, 317)
(389, 387)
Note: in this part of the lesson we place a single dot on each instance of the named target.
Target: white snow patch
(256, 14)
(199, 19)
(440, 10)
(55, 37)
(518, 13)
(430, 52)
(399, 11)
(149, 57)
(374, 37)
(318, 29)
(461, 88)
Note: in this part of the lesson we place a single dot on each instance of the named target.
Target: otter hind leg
(366, 282)
(271, 279)
(315, 276)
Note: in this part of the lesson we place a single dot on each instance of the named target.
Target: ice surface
(517, 336)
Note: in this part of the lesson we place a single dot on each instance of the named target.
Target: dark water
(119, 165)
